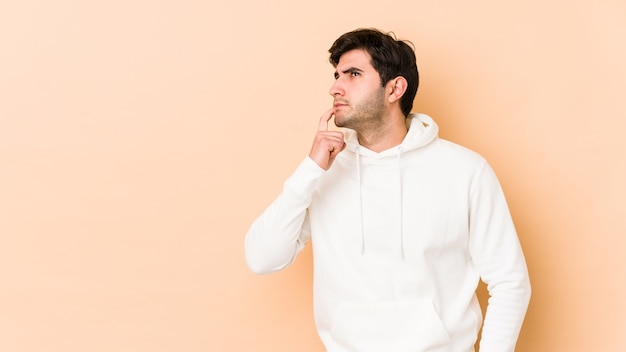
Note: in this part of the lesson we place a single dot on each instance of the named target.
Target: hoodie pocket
(412, 326)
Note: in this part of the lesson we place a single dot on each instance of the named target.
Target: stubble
(364, 117)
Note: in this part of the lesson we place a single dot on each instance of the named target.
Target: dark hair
(390, 58)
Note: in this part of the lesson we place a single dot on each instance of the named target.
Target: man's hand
(327, 144)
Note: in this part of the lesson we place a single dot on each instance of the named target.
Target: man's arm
(498, 255)
(279, 234)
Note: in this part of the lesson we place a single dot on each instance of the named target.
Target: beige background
(139, 139)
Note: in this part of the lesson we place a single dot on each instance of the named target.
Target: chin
(341, 120)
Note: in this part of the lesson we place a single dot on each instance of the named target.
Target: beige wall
(139, 139)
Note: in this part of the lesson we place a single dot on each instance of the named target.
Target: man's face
(359, 97)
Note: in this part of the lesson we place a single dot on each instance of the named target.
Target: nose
(336, 88)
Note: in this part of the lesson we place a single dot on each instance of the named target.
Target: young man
(403, 224)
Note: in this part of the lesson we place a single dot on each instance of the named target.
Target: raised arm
(277, 236)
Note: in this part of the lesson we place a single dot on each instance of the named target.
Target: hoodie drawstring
(401, 209)
(358, 177)
(400, 199)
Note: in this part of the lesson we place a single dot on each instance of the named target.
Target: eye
(355, 73)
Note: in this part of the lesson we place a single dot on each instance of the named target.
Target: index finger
(323, 126)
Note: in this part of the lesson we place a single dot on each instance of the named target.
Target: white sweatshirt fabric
(400, 240)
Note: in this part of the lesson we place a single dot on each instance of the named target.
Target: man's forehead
(354, 58)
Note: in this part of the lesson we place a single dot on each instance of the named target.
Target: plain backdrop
(139, 139)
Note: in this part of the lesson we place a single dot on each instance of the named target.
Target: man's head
(389, 57)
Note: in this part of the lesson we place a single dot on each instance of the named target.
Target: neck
(385, 135)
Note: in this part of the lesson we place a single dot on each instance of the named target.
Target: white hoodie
(400, 239)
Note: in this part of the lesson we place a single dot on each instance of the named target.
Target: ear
(396, 88)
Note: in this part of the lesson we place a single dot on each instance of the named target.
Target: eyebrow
(349, 70)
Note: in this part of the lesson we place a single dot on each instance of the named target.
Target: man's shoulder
(448, 149)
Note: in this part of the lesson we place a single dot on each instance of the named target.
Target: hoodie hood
(421, 131)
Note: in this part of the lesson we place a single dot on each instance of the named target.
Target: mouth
(340, 104)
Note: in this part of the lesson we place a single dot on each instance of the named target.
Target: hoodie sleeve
(498, 256)
(279, 234)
